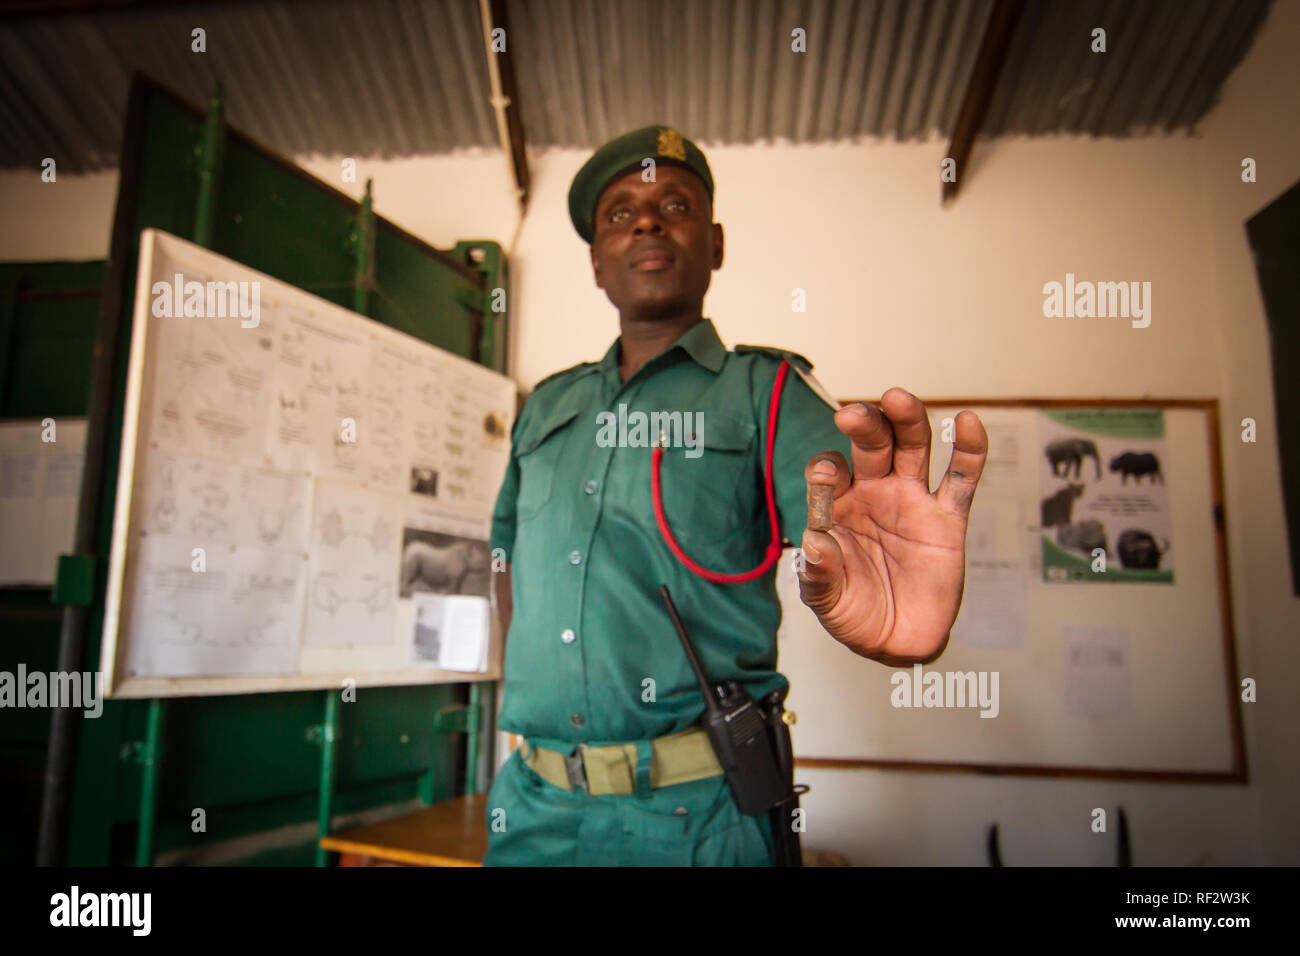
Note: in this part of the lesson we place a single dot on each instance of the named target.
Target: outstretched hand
(887, 579)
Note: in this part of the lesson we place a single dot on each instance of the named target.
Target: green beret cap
(624, 155)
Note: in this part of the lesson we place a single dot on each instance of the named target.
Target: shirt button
(575, 557)
(577, 720)
(591, 486)
(567, 635)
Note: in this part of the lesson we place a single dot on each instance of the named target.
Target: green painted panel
(47, 357)
(34, 643)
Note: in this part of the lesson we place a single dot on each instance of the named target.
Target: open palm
(887, 579)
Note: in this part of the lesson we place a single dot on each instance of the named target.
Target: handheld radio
(738, 730)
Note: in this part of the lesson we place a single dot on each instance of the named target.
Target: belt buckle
(576, 771)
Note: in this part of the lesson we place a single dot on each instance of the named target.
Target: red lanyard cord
(773, 548)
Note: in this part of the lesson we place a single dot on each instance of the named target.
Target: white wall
(946, 302)
(1257, 119)
(70, 218)
(902, 291)
(442, 200)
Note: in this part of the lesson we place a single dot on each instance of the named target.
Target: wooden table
(451, 833)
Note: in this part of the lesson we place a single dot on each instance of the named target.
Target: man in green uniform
(614, 768)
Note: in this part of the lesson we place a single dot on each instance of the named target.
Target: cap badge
(671, 145)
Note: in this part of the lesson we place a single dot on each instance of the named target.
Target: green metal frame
(326, 737)
(149, 757)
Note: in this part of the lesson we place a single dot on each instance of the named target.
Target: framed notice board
(305, 494)
(1095, 636)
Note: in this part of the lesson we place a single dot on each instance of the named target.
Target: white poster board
(1125, 672)
(293, 475)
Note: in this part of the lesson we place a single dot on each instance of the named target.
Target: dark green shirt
(575, 518)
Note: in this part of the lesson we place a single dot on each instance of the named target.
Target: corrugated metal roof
(725, 71)
(338, 77)
(408, 77)
(1162, 69)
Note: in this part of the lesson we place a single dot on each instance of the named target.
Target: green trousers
(534, 823)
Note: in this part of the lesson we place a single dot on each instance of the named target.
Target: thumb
(821, 572)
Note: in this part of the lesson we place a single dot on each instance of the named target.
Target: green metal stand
(148, 754)
(473, 723)
(363, 249)
(208, 152)
(325, 734)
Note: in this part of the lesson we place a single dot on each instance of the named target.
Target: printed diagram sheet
(318, 374)
(240, 616)
(221, 568)
(353, 565)
(435, 426)
(293, 480)
(211, 382)
(476, 435)
(225, 504)
(403, 404)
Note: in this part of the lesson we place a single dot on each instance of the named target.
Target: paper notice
(211, 382)
(993, 608)
(40, 489)
(451, 631)
(354, 567)
(237, 612)
(317, 422)
(1097, 672)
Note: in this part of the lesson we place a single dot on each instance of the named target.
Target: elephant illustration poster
(1103, 508)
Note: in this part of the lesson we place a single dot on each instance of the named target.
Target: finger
(829, 468)
(873, 441)
(911, 426)
(970, 450)
(821, 574)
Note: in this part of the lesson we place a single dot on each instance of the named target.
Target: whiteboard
(304, 495)
(1131, 675)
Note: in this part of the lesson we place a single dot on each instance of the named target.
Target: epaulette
(565, 371)
(802, 367)
(794, 358)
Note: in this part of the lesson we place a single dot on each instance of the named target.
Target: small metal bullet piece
(821, 500)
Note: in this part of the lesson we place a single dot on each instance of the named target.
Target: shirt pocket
(705, 496)
(537, 452)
